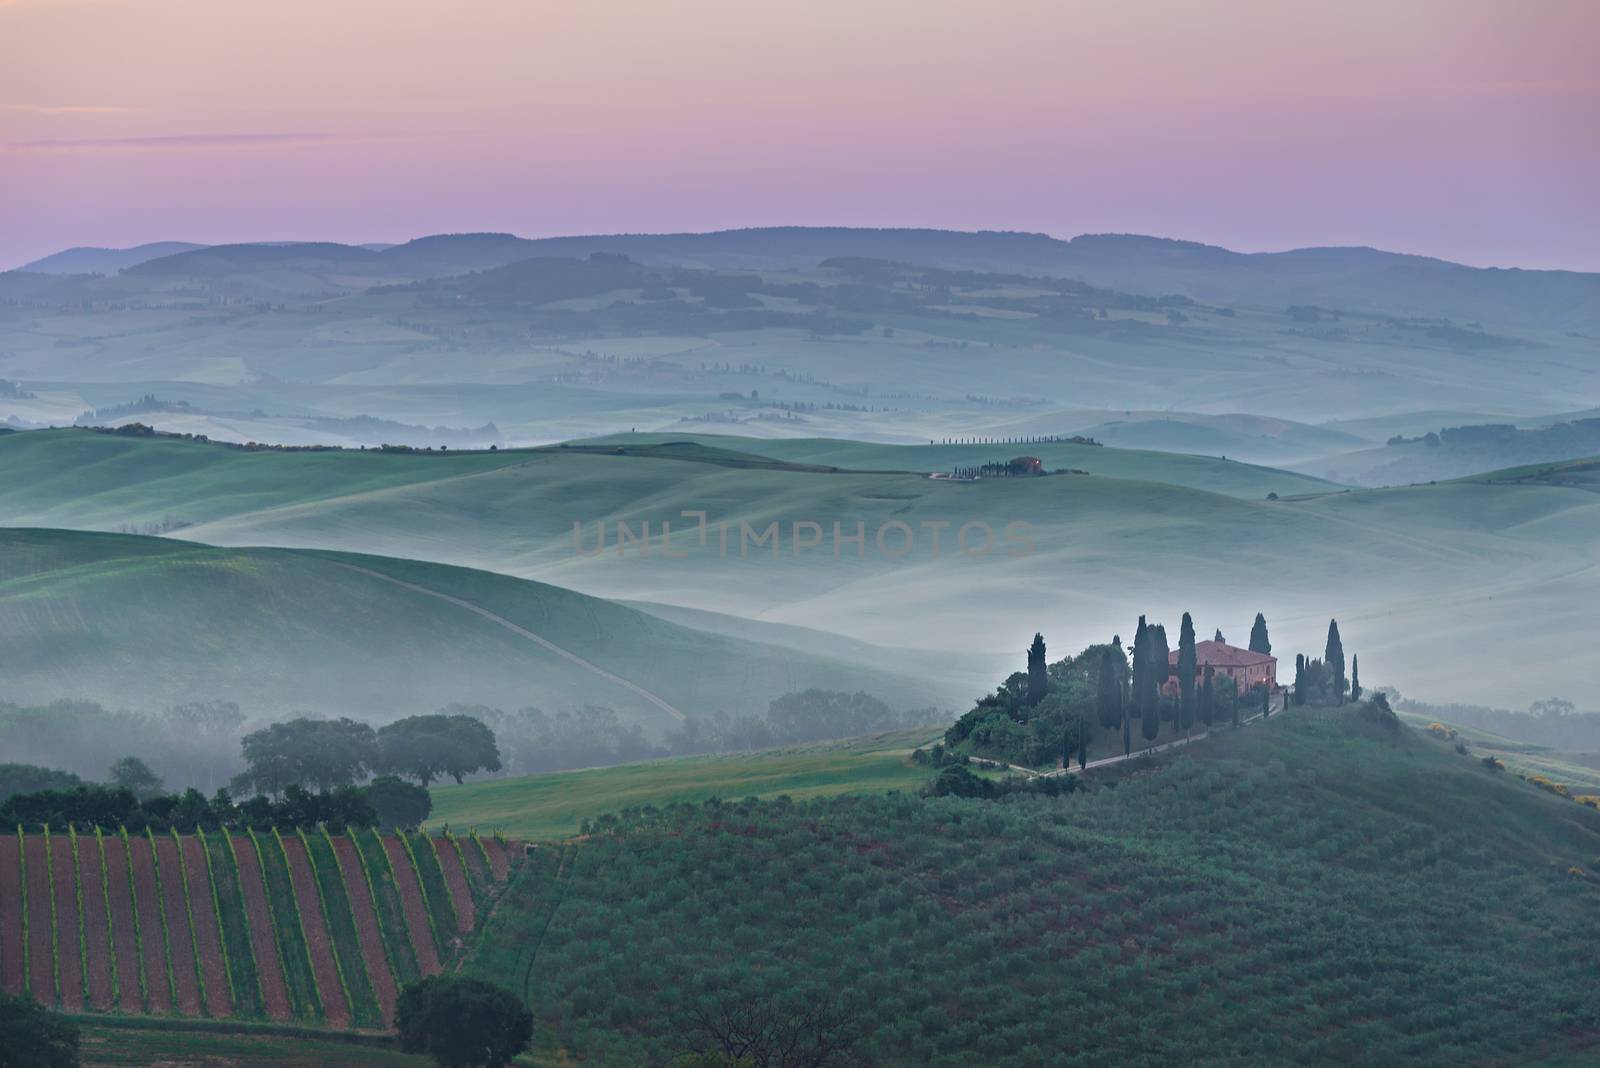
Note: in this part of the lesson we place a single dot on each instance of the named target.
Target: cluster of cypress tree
(1325, 680)
(1203, 700)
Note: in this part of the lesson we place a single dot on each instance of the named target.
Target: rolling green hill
(146, 623)
(1425, 578)
(1319, 889)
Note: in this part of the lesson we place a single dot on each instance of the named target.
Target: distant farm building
(1245, 668)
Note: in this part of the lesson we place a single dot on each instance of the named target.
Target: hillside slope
(147, 623)
(1319, 889)
(1433, 578)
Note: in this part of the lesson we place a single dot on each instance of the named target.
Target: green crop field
(544, 807)
(1320, 888)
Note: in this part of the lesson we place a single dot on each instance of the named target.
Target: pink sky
(1466, 129)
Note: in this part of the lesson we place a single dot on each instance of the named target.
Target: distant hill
(1353, 279)
(1462, 451)
(86, 260)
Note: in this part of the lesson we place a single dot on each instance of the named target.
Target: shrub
(32, 1036)
(462, 1023)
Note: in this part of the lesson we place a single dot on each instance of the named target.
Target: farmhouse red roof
(1221, 654)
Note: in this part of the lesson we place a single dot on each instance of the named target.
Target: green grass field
(550, 807)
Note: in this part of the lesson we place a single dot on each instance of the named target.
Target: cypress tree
(1333, 660)
(1266, 701)
(1217, 637)
(1108, 692)
(1038, 680)
(1299, 678)
(1150, 720)
(1258, 636)
(1355, 678)
(1186, 673)
(1208, 698)
(1083, 741)
(1160, 667)
(1141, 666)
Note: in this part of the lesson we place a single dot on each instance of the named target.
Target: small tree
(1187, 670)
(1355, 678)
(1038, 680)
(462, 1023)
(133, 774)
(398, 803)
(1208, 697)
(1259, 642)
(1108, 692)
(1333, 661)
(32, 1036)
(1160, 666)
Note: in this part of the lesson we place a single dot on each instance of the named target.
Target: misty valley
(797, 648)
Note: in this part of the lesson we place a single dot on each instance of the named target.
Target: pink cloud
(194, 142)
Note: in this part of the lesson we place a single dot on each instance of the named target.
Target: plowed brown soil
(178, 927)
(208, 938)
(96, 933)
(12, 953)
(334, 1009)
(149, 902)
(41, 972)
(67, 950)
(129, 998)
(259, 913)
(405, 881)
(364, 911)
